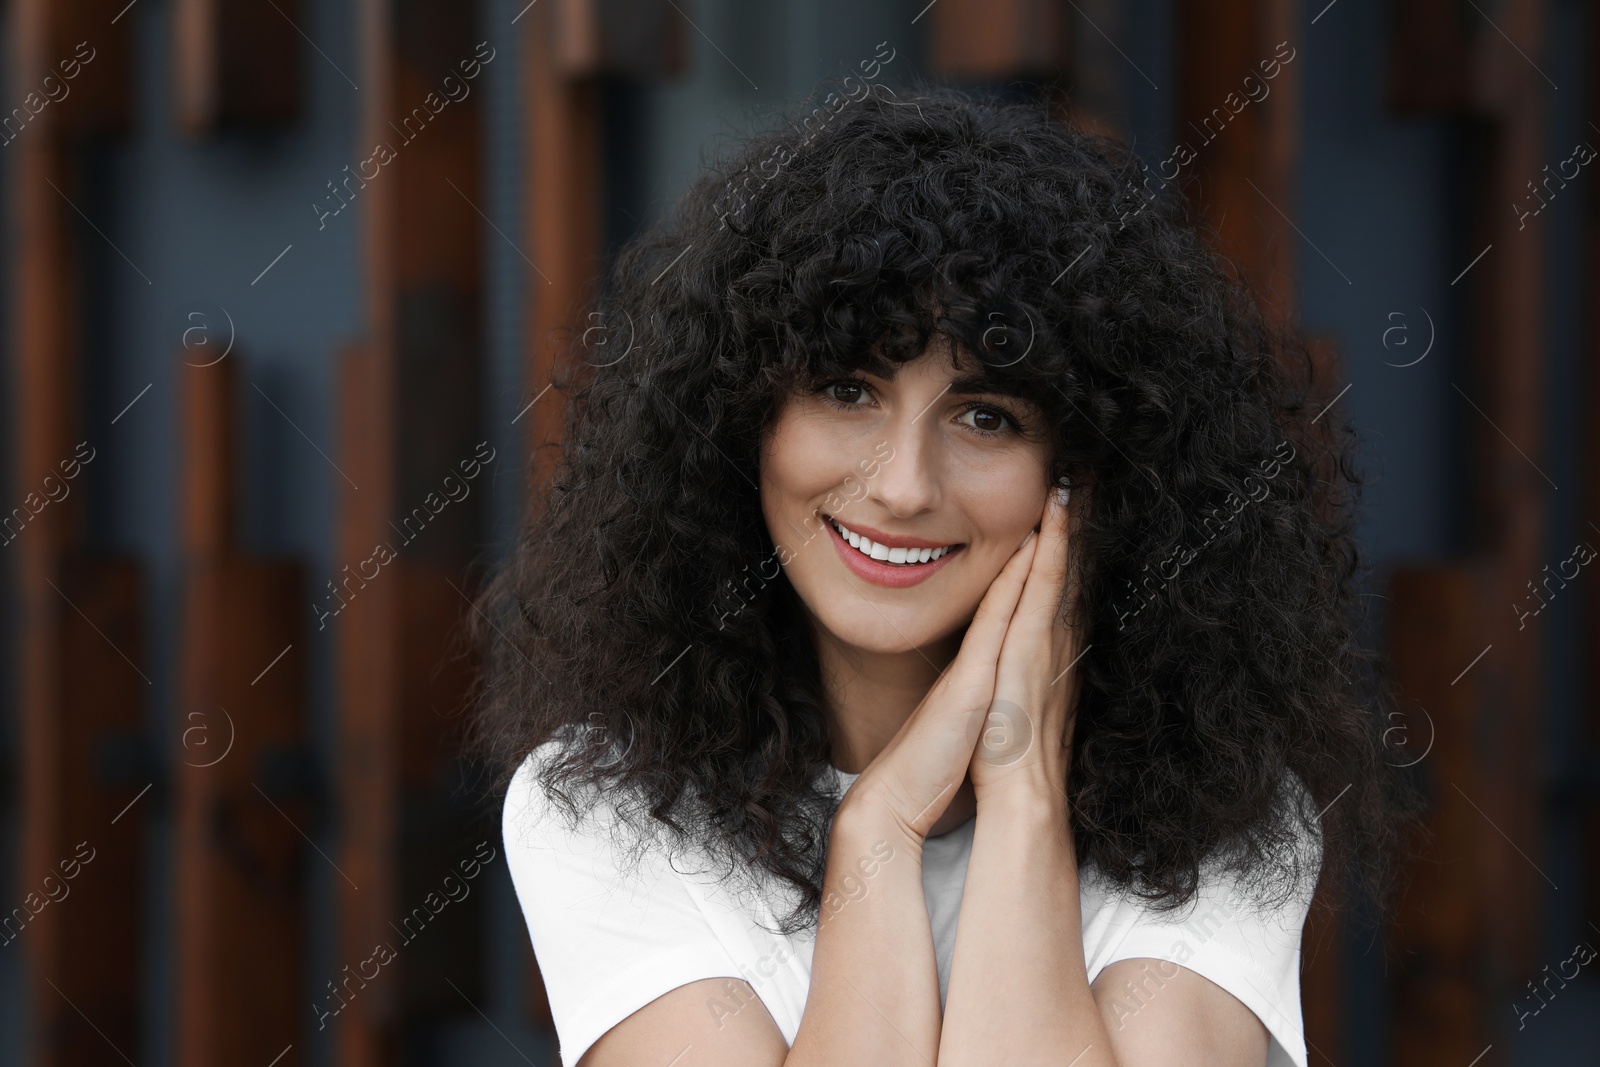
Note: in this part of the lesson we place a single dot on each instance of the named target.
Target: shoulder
(561, 837)
(612, 929)
(529, 816)
(570, 860)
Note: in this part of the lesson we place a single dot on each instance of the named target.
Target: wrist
(863, 821)
(1025, 804)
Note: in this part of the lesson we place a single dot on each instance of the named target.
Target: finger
(1041, 594)
(987, 631)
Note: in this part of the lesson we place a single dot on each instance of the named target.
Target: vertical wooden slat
(1431, 54)
(206, 527)
(1322, 963)
(408, 417)
(100, 99)
(365, 678)
(79, 644)
(644, 39)
(236, 64)
(208, 416)
(367, 687)
(439, 829)
(1509, 512)
(239, 857)
(45, 423)
(998, 39)
(92, 933)
(238, 853)
(1436, 627)
(1589, 438)
(1475, 942)
(440, 385)
(1095, 74)
(564, 190)
(1246, 150)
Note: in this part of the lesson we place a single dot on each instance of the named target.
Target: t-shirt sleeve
(1250, 950)
(607, 942)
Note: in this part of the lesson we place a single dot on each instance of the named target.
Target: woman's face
(923, 466)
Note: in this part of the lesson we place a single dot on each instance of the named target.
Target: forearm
(874, 994)
(1019, 990)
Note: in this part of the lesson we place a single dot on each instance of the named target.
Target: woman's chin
(891, 631)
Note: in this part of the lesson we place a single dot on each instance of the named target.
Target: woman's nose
(908, 483)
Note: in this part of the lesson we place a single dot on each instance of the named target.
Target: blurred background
(282, 281)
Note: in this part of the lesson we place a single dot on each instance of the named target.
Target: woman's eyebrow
(976, 383)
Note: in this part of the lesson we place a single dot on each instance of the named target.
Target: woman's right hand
(913, 780)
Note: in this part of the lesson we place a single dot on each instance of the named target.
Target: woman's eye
(845, 392)
(988, 420)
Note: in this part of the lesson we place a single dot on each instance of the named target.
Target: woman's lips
(887, 574)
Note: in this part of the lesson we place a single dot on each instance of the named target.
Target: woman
(805, 542)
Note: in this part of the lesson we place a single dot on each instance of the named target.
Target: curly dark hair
(638, 606)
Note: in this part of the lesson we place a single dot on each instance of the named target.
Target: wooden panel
(78, 645)
(644, 39)
(236, 64)
(1431, 54)
(367, 690)
(86, 944)
(100, 98)
(210, 469)
(1094, 75)
(1321, 994)
(437, 530)
(240, 803)
(366, 686)
(438, 258)
(1246, 147)
(1440, 1007)
(997, 39)
(439, 828)
(408, 417)
(564, 193)
(1589, 441)
(239, 857)
(1505, 384)
(1476, 907)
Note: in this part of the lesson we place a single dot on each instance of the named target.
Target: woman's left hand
(1026, 743)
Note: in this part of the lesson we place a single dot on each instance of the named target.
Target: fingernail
(1025, 540)
(1063, 494)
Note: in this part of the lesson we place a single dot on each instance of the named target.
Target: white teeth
(902, 556)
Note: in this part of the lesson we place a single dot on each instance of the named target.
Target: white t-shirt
(608, 945)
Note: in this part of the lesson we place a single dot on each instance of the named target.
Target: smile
(898, 556)
(897, 566)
